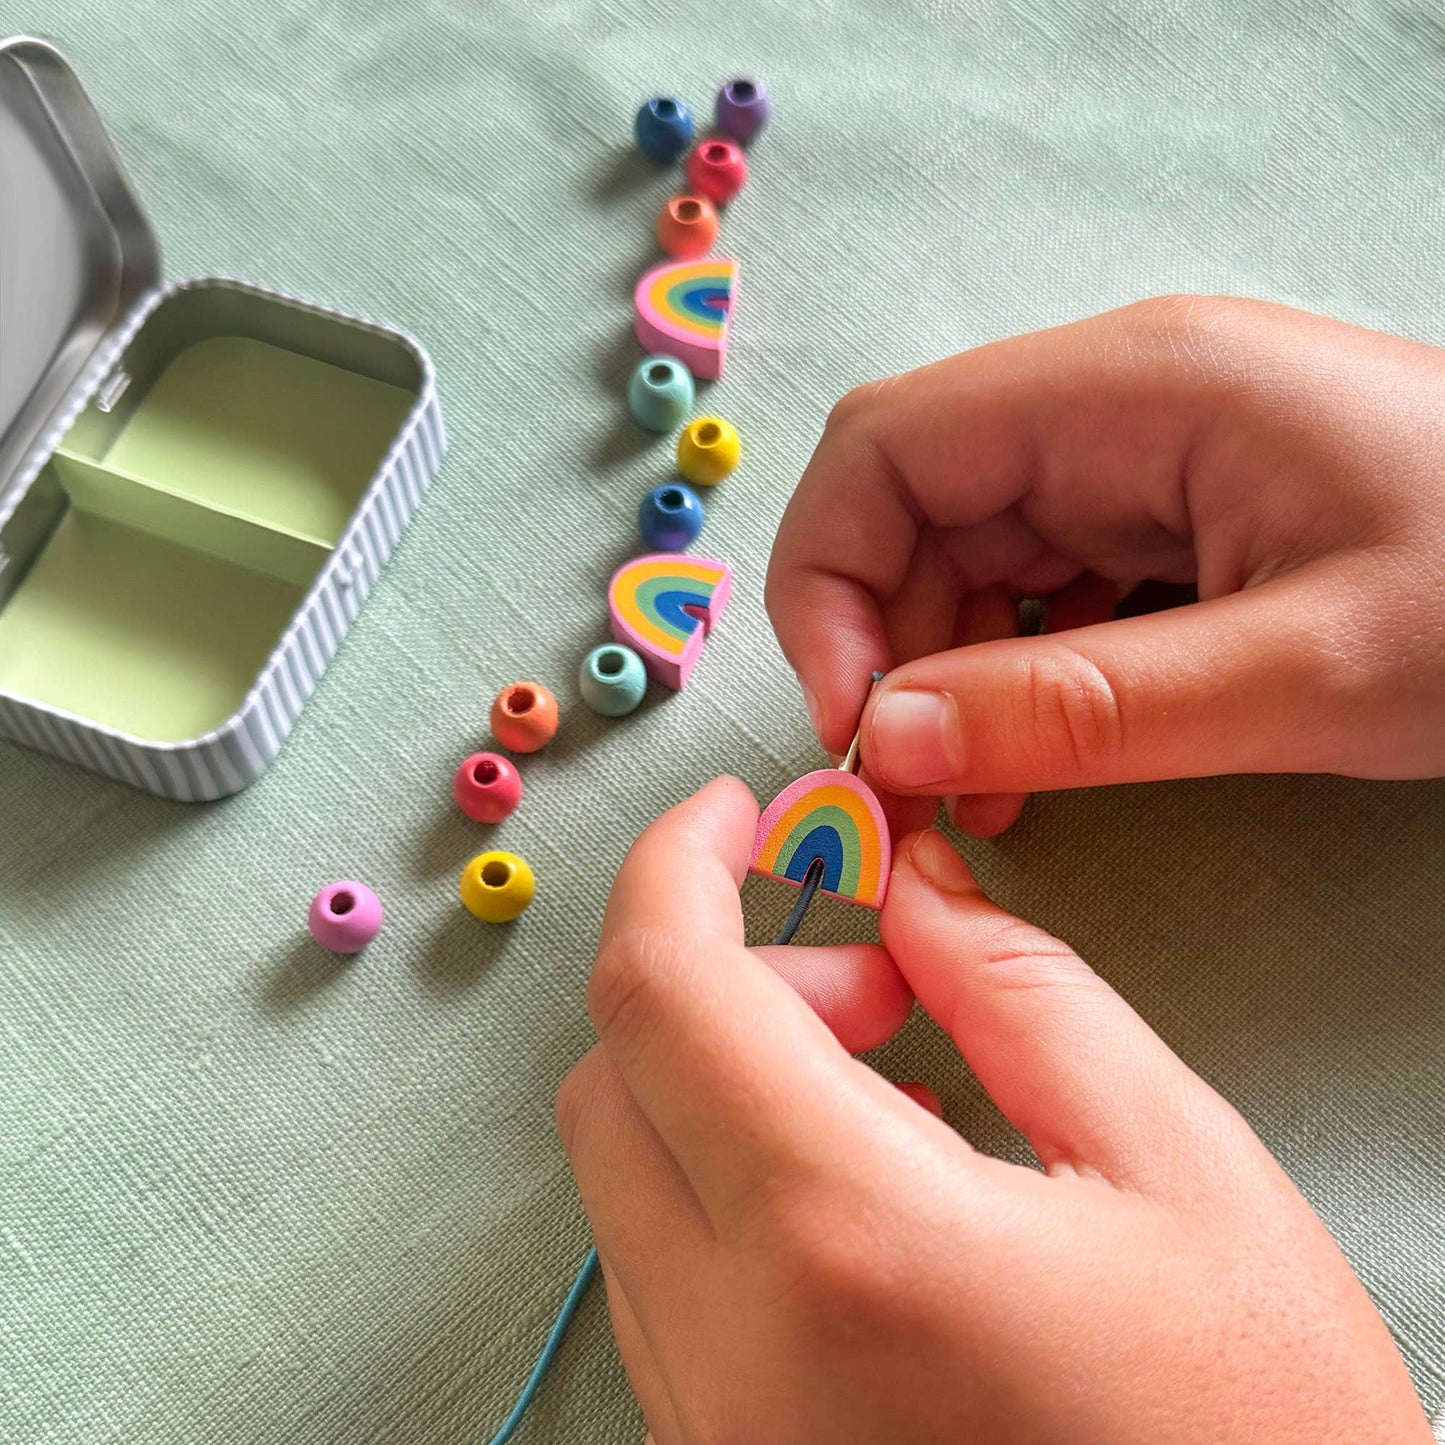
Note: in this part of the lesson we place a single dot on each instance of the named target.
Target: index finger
(1069, 440)
(746, 1086)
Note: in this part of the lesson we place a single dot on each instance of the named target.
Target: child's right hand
(1291, 466)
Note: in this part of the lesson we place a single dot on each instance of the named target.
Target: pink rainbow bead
(345, 916)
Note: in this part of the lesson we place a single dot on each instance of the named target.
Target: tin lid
(75, 249)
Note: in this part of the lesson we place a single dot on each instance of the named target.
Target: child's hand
(1291, 466)
(797, 1251)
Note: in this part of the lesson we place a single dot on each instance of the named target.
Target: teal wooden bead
(661, 393)
(613, 680)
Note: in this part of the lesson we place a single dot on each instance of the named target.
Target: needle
(850, 758)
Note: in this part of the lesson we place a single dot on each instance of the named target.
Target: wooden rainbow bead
(687, 227)
(670, 517)
(664, 605)
(717, 169)
(612, 680)
(709, 450)
(832, 816)
(487, 787)
(345, 916)
(663, 128)
(743, 109)
(661, 393)
(497, 887)
(685, 309)
(524, 717)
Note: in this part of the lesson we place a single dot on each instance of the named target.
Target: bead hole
(688, 210)
(486, 772)
(667, 108)
(743, 91)
(342, 903)
(496, 874)
(670, 500)
(716, 152)
(708, 433)
(660, 374)
(520, 700)
(609, 664)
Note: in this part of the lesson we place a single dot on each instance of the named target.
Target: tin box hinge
(110, 391)
(348, 567)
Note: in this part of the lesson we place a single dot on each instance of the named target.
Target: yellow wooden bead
(497, 887)
(708, 450)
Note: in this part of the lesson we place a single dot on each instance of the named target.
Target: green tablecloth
(248, 1194)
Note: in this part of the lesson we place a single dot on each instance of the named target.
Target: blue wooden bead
(663, 128)
(661, 393)
(670, 517)
(613, 680)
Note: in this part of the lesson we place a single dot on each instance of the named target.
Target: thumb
(1251, 682)
(1066, 1060)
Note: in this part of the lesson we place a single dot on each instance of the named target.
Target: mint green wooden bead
(661, 393)
(613, 680)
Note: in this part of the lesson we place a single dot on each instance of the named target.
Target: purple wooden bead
(344, 917)
(743, 109)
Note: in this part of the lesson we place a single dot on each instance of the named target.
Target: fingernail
(933, 856)
(914, 739)
(810, 701)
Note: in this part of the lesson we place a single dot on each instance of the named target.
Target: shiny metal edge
(79, 128)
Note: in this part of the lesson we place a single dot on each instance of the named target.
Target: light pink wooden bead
(345, 916)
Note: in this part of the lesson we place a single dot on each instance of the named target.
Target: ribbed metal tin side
(240, 750)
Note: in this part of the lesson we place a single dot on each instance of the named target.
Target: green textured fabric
(249, 1194)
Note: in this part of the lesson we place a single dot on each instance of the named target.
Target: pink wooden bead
(345, 917)
(487, 787)
(717, 169)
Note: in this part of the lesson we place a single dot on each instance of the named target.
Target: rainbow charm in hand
(830, 815)
(663, 605)
(684, 309)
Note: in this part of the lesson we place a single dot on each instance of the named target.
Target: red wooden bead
(524, 717)
(687, 227)
(487, 787)
(717, 169)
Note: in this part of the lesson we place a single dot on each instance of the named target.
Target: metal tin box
(199, 481)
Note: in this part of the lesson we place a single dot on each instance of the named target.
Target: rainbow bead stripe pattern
(830, 815)
(684, 309)
(663, 605)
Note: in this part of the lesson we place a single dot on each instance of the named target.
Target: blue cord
(811, 882)
(549, 1350)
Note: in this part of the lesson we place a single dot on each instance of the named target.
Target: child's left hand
(795, 1250)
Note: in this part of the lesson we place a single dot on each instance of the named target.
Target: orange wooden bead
(524, 717)
(687, 227)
